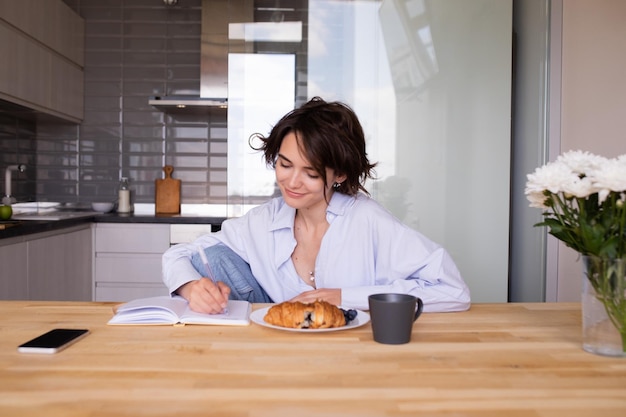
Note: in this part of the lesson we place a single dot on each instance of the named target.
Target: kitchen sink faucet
(8, 199)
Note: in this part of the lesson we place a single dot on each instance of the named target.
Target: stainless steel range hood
(188, 104)
(213, 66)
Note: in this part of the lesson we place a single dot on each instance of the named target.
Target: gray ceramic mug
(392, 317)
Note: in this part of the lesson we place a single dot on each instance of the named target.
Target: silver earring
(336, 185)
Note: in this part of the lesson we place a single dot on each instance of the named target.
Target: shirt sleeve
(176, 262)
(438, 284)
(403, 261)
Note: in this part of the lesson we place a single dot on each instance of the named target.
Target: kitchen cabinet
(185, 233)
(127, 257)
(59, 266)
(42, 50)
(127, 260)
(47, 266)
(14, 274)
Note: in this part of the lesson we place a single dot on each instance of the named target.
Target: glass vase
(604, 306)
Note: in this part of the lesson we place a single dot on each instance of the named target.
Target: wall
(17, 146)
(593, 100)
(134, 49)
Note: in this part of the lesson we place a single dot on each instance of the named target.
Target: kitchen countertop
(158, 218)
(15, 228)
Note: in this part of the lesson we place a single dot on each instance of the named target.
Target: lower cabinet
(127, 260)
(14, 274)
(98, 261)
(52, 266)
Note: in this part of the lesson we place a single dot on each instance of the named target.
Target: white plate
(361, 319)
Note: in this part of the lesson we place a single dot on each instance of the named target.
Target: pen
(209, 272)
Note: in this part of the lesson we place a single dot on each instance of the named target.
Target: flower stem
(608, 278)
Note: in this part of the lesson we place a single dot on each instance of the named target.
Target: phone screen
(53, 341)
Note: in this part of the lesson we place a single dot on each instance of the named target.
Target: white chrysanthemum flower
(610, 177)
(565, 189)
(550, 177)
(580, 187)
(537, 200)
(582, 162)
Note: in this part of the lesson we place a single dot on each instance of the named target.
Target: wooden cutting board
(167, 193)
(7, 224)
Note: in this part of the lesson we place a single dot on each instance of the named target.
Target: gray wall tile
(134, 49)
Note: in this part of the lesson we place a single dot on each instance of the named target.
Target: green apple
(5, 212)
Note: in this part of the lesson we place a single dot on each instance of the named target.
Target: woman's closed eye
(310, 173)
(285, 163)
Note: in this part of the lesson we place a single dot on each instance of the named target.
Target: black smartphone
(53, 341)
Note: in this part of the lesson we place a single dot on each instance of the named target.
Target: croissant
(297, 315)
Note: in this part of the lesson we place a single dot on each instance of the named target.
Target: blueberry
(349, 315)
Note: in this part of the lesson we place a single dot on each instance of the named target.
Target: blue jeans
(232, 270)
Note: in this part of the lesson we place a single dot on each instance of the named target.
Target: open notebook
(175, 310)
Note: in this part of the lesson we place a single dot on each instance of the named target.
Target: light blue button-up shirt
(365, 250)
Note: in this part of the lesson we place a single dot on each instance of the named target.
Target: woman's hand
(204, 296)
(330, 295)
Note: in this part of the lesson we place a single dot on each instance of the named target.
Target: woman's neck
(309, 228)
(312, 217)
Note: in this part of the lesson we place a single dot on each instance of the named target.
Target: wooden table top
(493, 360)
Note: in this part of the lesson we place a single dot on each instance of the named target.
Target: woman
(324, 238)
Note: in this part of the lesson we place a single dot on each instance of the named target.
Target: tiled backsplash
(17, 146)
(134, 49)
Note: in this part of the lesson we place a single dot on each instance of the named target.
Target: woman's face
(300, 185)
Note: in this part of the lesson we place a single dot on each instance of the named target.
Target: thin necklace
(311, 273)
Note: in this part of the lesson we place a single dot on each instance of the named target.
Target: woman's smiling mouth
(293, 194)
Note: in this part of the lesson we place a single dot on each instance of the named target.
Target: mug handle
(420, 307)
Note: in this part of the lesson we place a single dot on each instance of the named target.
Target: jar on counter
(123, 205)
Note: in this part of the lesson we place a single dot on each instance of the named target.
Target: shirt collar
(339, 203)
(284, 216)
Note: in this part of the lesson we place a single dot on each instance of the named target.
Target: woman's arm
(373, 252)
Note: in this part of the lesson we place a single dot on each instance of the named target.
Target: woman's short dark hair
(329, 135)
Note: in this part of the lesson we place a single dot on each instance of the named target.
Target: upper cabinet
(42, 49)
